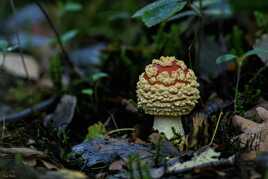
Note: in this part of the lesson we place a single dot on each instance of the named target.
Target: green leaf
(68, 36)
(72, 7)
(69, 7)
(261, 19)
(88, 91)
(262, 43)
(11, 48)
(196, 9)
(159, 11)
(255, 51)
(95, 77)
(225, 58)
(3, 45)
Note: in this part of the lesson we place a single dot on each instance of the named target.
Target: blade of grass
(216, 128)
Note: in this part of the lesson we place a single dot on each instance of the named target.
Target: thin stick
(29, 111)
(216, 128)
(120, 130)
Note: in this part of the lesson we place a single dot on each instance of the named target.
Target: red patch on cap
(169, 69)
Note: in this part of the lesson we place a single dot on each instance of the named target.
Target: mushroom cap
(167, 88)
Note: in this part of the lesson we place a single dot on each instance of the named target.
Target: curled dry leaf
(255, 135)
(243, 124)
(252, 113)
(263, 113)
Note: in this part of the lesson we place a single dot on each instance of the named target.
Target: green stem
(238, 74)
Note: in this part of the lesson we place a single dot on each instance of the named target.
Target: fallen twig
(254, 135)
(29, 111)
(120, 130)
(26, 152)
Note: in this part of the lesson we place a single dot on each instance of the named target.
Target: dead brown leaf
(255, 135)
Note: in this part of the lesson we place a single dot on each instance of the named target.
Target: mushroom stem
(165, 124)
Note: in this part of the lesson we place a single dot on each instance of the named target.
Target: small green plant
(158, 158)
(261, 19)
(62, 134)
(88, 91)
(163, 10)
(236, 40)
(239, 60)
(261, 22)
(96, 130)
(94, 79)
(137, 168)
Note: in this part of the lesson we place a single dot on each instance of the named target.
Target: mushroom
(167, 89)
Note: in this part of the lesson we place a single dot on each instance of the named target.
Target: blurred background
(87, 56)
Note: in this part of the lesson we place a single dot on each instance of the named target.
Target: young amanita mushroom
(167, 89)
